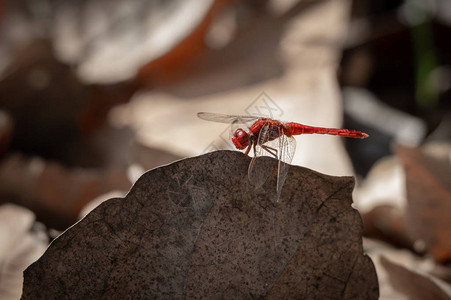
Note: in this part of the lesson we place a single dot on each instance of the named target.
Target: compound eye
(241, 134)
(240, 139)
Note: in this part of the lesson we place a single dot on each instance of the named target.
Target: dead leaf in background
(428, 182)
(386, 223)
(414, 285)
(55, 193)
(197, 228)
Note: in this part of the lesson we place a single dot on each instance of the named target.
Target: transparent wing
(281, 148)
(258, 173)
(229, 119)
(235, 121)
(287, 148)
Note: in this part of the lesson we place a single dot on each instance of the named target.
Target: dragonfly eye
(240, 139)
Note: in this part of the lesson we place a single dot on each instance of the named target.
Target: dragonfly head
(240, 139)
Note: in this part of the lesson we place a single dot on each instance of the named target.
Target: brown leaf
(413, 285)
(197, 228)
(55, 193)
(386, 223)
(428, 183)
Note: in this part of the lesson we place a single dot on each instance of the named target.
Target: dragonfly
(269, 137)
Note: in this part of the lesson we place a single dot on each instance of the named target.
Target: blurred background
(95, 93)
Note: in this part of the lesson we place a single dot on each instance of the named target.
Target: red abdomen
(296, 129)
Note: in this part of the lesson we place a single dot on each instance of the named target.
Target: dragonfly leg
(271, 151)
(248, 150)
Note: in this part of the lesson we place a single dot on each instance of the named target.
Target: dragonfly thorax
(240, 139)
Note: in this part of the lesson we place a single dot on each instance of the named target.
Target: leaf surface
(197, 229)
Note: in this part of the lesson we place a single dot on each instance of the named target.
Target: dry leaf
(55, 194)
(414, 285)
(386, 223)
(427, 217)
(198, 229)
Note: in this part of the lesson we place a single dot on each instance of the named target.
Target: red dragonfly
(267, 136)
